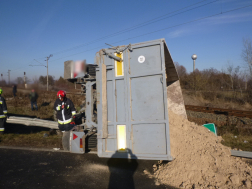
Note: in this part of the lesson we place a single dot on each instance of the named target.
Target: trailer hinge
(161, 79)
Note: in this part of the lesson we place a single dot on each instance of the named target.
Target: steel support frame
(89, 105)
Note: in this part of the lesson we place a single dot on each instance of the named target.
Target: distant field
(219, 99)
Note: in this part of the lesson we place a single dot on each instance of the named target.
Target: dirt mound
(201, 161)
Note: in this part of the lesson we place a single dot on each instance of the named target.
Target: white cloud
(227, 19)
(178, 33)
(211, 22)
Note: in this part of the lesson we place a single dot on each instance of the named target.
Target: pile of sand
(201, 161)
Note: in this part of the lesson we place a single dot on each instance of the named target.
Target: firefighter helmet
(61, 94)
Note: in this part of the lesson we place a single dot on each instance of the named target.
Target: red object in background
(63, 106)
(79, 68)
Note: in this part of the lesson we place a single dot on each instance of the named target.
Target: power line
(140, 25)
(39, 62)
(165, 16)
(47, 58)
(137, 26)
(161, 30)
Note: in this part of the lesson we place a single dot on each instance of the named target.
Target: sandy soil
(201, 161)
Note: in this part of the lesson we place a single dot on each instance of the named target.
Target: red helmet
(61, 94)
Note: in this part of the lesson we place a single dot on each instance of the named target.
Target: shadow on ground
(123, 167)
(23, 129)
(66, 170)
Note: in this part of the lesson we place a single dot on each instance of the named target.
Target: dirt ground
(26, 169)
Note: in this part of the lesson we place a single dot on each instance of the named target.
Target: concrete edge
(38, 149)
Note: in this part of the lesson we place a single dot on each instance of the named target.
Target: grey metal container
(134, 99)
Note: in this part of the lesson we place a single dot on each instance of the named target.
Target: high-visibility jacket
(3, 108)
(65, 110)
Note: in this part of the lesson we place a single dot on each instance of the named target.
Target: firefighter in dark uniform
(3, 112)
(65, 111)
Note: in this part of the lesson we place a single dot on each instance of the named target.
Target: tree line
(42, 80)
(229, 78)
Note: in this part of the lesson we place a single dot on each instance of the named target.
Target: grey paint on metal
(149, 138)
(75, 142)
(138, 100)
(89, 104)
(110, 101)
(120, 96)
(244, 154)
(146, 99)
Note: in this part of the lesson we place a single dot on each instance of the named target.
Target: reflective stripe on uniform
(58, 107)
(5, 111)
(1, 129)
(2, 116)
(73, 112)
(65, 122)
(1, 102)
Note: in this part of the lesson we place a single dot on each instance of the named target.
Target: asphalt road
(40, 169)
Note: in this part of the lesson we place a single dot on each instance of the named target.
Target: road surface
(41, 169)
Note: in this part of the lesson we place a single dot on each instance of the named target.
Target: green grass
(238, 141)
(44, 112)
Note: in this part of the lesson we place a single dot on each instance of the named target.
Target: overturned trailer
(134, 85)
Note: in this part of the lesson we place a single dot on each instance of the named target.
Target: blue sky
(34, 29)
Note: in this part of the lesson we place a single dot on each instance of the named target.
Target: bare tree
(247, 53)
(35, 80)
(180, 69)
(43, 80)
(19, 80)
(232, 72)
(3, 83)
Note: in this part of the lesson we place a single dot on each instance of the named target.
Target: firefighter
(65, 111)
(3, 112)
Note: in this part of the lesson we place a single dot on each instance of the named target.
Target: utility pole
(9, 75)
(47, 58)
(24, 77)
(24, 81)
(246, 82)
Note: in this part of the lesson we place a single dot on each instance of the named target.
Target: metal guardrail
(33, 122)
(244, 154)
